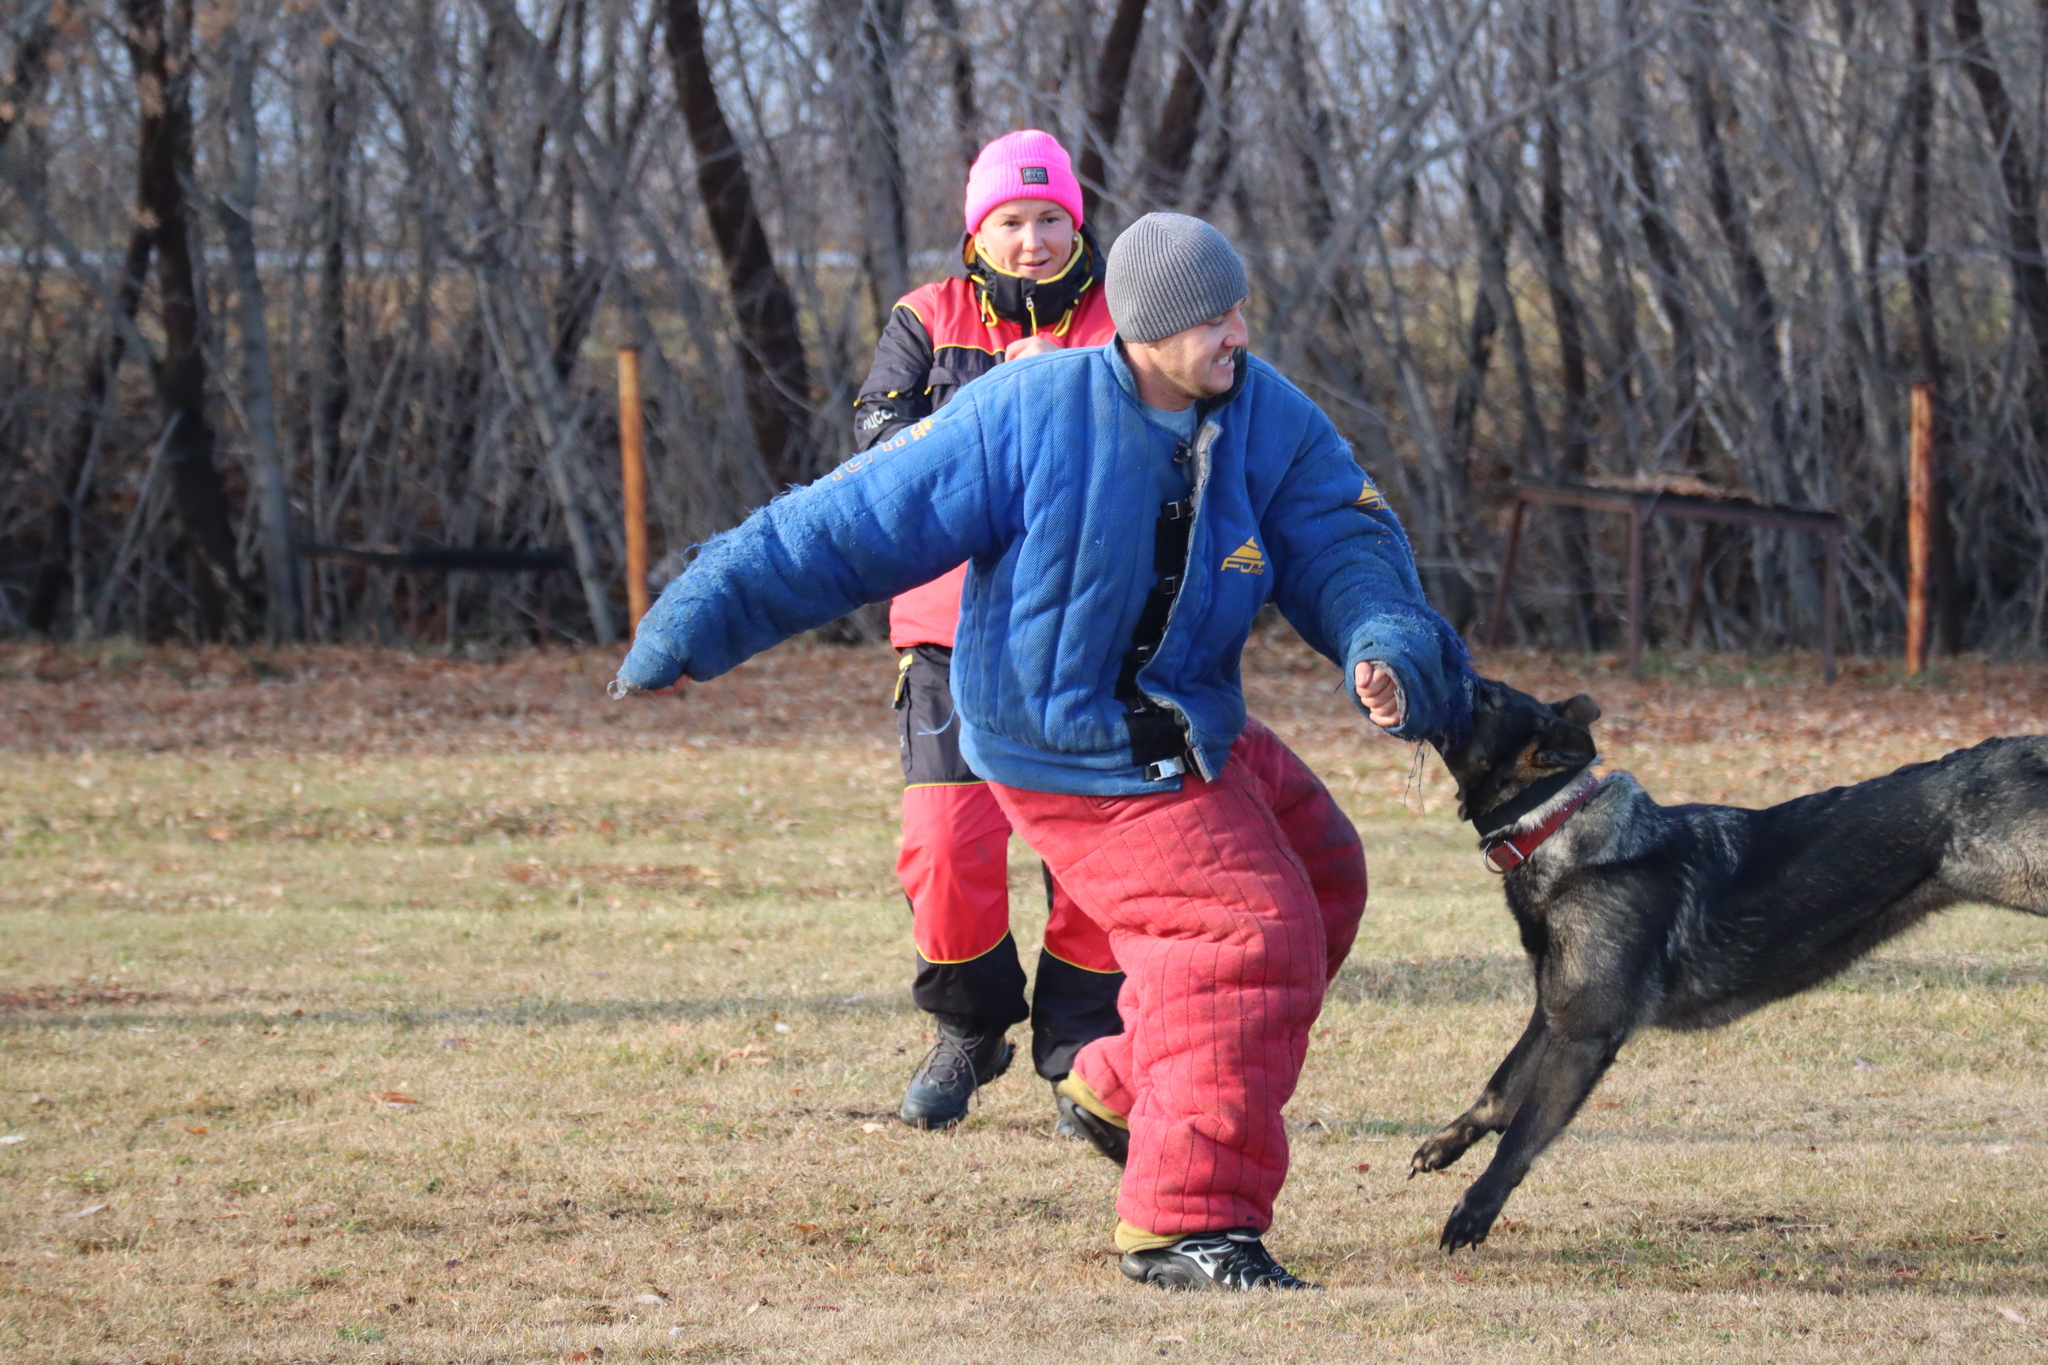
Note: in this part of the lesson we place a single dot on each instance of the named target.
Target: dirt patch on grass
(360, 700)
(17, 999)
(351, 700)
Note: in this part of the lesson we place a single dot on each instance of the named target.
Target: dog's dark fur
(1686, 917)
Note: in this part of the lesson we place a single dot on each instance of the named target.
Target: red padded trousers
(1230, 906)
(955, 870)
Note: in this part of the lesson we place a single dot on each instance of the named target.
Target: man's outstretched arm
(885, 521)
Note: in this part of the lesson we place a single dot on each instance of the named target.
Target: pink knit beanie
(1026, 165)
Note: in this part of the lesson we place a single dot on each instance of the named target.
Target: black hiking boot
(950, 1074)
(1078, 1120)
(1063, 1127)
(1235, 1259)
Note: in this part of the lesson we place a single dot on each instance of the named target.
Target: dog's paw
(1441, 1150)
(1468, 1225)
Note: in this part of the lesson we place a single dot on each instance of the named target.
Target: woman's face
(1028, 237)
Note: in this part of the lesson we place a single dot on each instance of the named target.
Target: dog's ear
(1581, 710)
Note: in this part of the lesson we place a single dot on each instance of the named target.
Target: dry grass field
(372, 1007)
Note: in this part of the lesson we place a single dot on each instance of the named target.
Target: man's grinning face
(1201, 361)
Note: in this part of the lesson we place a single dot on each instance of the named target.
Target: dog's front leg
(1495, 1108)
(1569, 1069)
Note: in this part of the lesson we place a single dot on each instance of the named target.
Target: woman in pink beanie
(1032, 282)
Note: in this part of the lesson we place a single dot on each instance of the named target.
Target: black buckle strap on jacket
(1157, 743)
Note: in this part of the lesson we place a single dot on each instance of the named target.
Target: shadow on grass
(1438, 982)
(522, 1013)
(1801, 1257)
(1493, 979)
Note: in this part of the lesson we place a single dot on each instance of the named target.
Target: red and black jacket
(943, 335)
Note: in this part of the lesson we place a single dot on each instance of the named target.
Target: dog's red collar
(1505, 855)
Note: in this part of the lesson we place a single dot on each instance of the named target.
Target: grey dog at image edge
(1688, 917)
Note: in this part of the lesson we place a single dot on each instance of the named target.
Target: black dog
(1687, 917)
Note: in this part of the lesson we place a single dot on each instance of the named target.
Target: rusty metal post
(1830, 598)
(1635, 591)
(633, 462)
(1919, 525)
(1497, 618)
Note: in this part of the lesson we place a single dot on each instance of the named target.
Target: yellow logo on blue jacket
(1369, 499)
(1247, 558)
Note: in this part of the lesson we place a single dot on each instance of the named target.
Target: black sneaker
(949, 1075)
(1075, 1121)
(1236, 1259)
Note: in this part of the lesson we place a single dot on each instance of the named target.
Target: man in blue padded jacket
(1125, 510)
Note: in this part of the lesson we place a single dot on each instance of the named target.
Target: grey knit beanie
(1168, 272)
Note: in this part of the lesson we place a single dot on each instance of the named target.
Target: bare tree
(330, 368)
(1106, 105)
(778, 377)
(874, 44)
(1663, 244)
(163, 88)
(2015, 170)
(1171, 148)
(266, 463)
(960, 72)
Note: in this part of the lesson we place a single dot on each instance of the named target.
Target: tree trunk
(1564, 303)
(75, 494)
(1491, 231)
(579, 277)
(1757, 309)
(1404, 82)
(1872, 240)
(877, 31)
(1172, 145)
(521, 338)
(960, 71)
(777, 376)
(2022, 220)
(46, 591)
(164, 89)
(1920, 196)
(1106, 105)
(266, 461)
(1660, 243)
(1224, 140)
(331, 388)
(1576, 461)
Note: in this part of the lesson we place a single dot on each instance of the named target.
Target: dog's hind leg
(1495, 1108)
(1569, 1068)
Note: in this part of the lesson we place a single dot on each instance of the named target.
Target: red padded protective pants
(1230, 906)
(954, 866)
